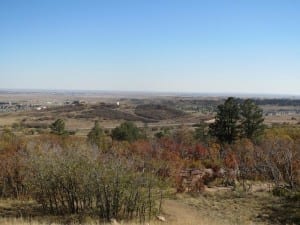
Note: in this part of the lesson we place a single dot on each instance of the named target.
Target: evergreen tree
(127, 131)
(225, 127)
(251, 119)
(58, 127)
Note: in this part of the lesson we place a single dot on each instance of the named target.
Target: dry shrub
(78, 180)
(12, 165)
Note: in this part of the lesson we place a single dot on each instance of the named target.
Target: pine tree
(235, 120)
(251, 119)
(225, 127)
(58, 127)
(127, 131)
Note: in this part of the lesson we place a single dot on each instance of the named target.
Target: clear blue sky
(151, 45)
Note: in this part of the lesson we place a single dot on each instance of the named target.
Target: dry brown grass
(9, 119)
(222, 207)
(209, 209)
(176, 212)
(19, 221)
(237, 207)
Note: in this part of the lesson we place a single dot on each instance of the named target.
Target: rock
(209, 172)
(114, 221)
(197, 172)
(161, 218)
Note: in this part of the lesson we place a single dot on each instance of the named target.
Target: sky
(204, 46)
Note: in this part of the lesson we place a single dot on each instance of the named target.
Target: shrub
(12, 165)
(280, 191)
(58, 127)
(127, 131)
(97, 137)
(73, 180)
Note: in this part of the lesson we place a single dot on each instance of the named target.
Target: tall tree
(225, 127)
(251, 119)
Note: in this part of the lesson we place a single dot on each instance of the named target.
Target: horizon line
(158, 93)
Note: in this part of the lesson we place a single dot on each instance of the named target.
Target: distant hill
(157, 112)
(110, 112)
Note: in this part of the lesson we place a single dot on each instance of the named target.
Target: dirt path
(178, 213)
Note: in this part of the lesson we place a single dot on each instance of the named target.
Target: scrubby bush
(97, 137)
(76, 180)
(12, 165)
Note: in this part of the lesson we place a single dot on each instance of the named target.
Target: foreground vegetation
(213, 207)
(126, 173)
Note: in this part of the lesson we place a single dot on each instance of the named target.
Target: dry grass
(9, 119)
(176, 212)
(237, 207)
(204, 221)
(209, 209)
(231, 209)
(222, 207)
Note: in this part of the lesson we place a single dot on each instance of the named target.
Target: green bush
(127, 131)
(58, 127)
(280, 191)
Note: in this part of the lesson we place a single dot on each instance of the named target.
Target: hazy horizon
(120, 93)
(228, 47)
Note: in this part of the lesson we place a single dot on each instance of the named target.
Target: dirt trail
(180, 213)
